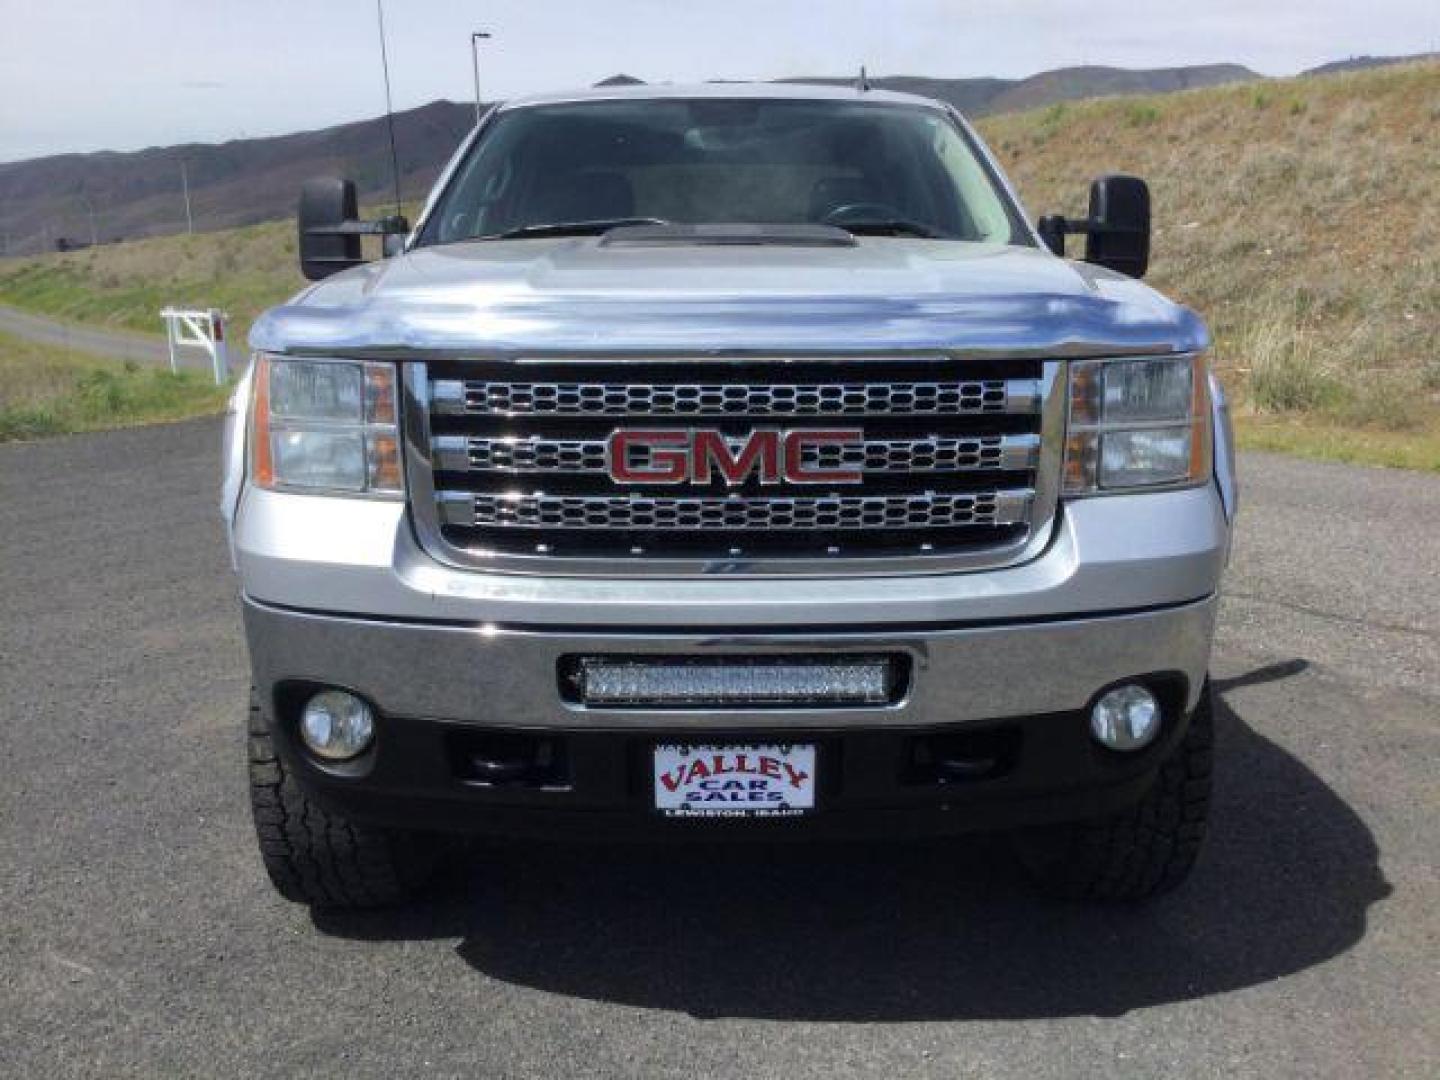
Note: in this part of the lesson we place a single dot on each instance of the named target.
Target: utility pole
(185, 186)
(90, 211)
(475, 38)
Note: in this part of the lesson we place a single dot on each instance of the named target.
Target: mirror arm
(1076, 226)
(386, 226)
(1053, 228)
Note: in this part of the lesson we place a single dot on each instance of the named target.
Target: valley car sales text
(718, 781)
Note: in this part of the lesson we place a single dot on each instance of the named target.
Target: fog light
(336, 725)
(1126, 718)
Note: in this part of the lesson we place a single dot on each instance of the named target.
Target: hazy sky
(112, 74)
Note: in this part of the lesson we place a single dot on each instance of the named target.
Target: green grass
(240, 271)
(50, 391)
(1359, 446)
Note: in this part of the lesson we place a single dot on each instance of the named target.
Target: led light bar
(735, 681)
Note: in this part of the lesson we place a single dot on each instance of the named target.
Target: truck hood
(584, 295)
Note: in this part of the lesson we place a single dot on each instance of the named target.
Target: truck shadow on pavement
(932, 931)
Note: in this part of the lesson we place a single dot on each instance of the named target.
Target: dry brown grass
(1300, 217)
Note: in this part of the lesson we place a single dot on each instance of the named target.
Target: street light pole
(475, 38)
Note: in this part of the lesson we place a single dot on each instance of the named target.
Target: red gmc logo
(677, 456)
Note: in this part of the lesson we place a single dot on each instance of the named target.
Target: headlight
(325, 427)
(1137, 424)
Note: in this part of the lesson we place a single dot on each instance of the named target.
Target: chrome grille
(665, 512)
(508, 463)
(921, 453)
(733, 399)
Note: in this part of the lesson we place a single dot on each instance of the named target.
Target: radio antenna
(389, 108)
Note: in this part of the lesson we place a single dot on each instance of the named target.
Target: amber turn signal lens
(380, 393)
(1082, 452)
(384, 463)
(261, 463)
(1200, 450)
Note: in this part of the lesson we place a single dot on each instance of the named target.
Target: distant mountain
(1363, 63)
(978, 97)
(128, 195)
(970, 96)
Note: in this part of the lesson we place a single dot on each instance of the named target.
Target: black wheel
(315, 856)
(1141, 851)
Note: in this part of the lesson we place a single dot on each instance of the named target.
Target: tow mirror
(1117, 232)
(330, 228)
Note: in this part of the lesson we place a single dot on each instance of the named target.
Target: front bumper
(1114, 553)
(1018, 691)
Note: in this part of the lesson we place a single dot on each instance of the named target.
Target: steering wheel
(861, 211)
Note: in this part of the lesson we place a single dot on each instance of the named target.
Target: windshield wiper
(891, 227)
(571, 228)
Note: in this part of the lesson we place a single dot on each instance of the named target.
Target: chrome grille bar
(926, 511)
(919, 454)
(903, 398)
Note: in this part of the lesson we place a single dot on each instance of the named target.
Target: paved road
(138, 938)
(111, 344)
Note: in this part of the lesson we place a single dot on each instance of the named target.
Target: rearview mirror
(1117, 232)
(330, 228)
(1120, 206)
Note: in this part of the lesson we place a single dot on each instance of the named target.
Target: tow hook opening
(508, 759)
(963, 757)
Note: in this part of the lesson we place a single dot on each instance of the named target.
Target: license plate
(735, 781)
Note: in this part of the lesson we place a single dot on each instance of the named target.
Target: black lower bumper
(580, 783)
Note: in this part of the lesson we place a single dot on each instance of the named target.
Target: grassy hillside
(1299, 216)
(242, 271)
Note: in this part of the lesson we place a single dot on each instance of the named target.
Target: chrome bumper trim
(499, 676)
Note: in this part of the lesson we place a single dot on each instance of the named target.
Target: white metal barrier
(201, 330)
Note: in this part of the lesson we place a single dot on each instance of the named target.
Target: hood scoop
(726, 234)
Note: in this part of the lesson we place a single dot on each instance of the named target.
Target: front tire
(1144, 850)
(315, 856)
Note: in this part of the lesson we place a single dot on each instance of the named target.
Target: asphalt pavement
(138, 936)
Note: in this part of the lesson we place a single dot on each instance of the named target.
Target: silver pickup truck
(728, 462)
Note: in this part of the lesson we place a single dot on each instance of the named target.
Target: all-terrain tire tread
(1141, 851)
(315, 856)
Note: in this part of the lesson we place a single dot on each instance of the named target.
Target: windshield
(870, 168)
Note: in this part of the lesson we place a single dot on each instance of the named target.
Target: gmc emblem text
(678, 456)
